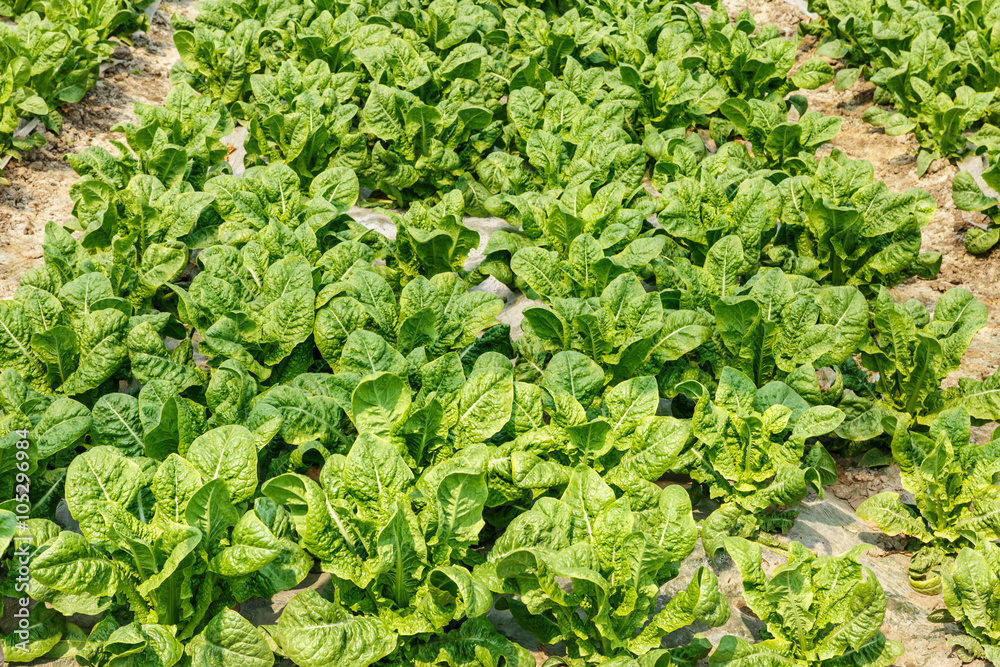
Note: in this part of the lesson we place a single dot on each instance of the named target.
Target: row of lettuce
(51, 52)
(935, 69)
(233, 383)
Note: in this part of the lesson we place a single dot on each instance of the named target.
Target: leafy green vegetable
(913, 353)
(231, 380)
(969, 585)
(168, 539)
(952, 482)
(395, 544)
(931, 64)
(818, 610)
(752, 455)
(969, 196)
(474, 105)
(617, 557)
(789, 146)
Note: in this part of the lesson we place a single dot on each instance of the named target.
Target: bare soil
(40, 182)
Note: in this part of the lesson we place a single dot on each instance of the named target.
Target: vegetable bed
(574, 393)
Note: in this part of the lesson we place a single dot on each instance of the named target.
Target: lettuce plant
(955, 499)
(752, 455)
(929, 99)
(848, 30)
(821, 611)
(968, 196)
(70, 330)
(841, 227)
(218, 63)
(396, 545)
(301, 117)
(97, 21)
(512, 101)
(564, 142)
(170, 542)
(592, 234)
(932, 63)
(432, 317)
(427, 148)
(228, 639)
(913, 353)
(910, 370)
(181, 139)
(587, 267)
(782, 144)
(47, 61)
(626, 330)
(754, 62)
(970, 585)
(46, 628)
(624, 439)
(774, 324)
(617, 552)
(433, 240)
(701, 210)
(838, 225)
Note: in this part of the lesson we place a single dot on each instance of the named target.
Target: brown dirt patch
(40, 182)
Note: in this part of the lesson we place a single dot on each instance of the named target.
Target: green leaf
(461, 497)
(813, 73)
(176, 481)
(367, 353)
(867, 604)
(100, 475)
(978, 241)
(725, 263)
(229, 640)
(227, 453)
(72, 565)
(467, 646)
(967, 194)
(57, 348)
(211, 511)
(116, 423)
(316, 633)
(898, 124)
(63, 425)
(373, 468)
(846, 78)
(981, 399)
(736, 652)
(401, 553)
(102, 351)
(380, 404)
(44, 629)
(15, 340)
(575, 374)
(535, 267)
(892, 517)
(483, 405)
